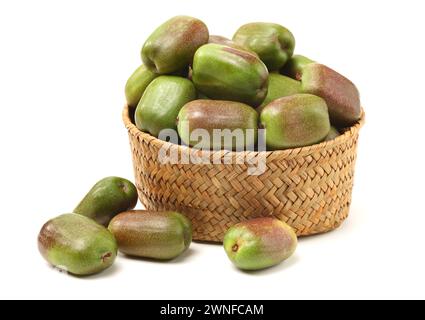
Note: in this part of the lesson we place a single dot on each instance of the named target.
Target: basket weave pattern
(309, 188)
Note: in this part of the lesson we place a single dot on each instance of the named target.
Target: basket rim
(348, 134)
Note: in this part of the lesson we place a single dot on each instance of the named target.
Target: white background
(63, 66)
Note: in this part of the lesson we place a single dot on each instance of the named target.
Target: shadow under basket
(309, 188)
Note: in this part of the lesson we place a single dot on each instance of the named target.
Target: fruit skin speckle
(340, 94)
(224, 73)
(295, 121)
(160, 105)
(273, 43)
(107, 198)
(260, 243)
(211, 115)
(150, 234)
(77, 244)
(170, 48)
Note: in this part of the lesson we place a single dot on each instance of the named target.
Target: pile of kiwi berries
(192, 80)
(87, 241)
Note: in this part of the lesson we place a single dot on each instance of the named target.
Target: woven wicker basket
(309, 188)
